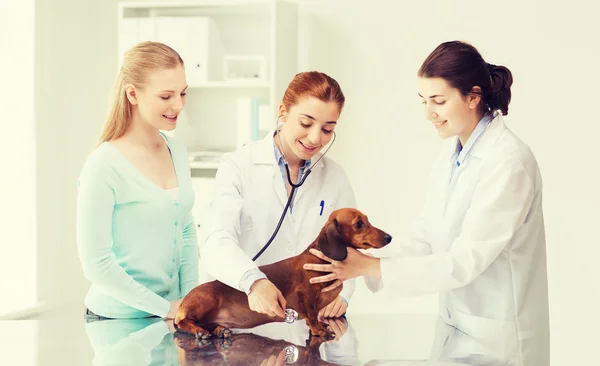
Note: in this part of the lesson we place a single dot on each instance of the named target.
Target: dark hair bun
(501, 81)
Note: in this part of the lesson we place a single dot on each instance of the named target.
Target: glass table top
(362, 339)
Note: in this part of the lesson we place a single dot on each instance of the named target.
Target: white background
(54, 95)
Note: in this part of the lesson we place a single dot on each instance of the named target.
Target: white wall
(75, 64)
(17, 160)
(373, 49)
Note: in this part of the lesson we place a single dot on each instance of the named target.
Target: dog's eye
(359, 224)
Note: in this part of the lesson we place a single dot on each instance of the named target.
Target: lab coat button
(176, 222)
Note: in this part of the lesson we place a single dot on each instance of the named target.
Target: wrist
(254, 284)
(343, 299)
(250, 278)
(373, 267)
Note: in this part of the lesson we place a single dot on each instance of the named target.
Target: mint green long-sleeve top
(136, 241)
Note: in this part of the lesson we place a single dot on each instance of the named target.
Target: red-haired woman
(252, 190)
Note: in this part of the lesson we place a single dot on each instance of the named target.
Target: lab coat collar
(488, 136)
(263, 154)
(461, 151)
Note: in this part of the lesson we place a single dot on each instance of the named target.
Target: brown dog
(213, 307)
(247, 349)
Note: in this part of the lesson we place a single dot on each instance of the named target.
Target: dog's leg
(221, 332)
(222, 343)
(317, 329)
(196, 312)
(188, 326)
(189, 342)
(312, 354)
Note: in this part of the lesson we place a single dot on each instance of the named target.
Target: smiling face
(161, 99)
(307, 127)
(451, 113)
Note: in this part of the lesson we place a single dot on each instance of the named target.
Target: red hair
(315, 84)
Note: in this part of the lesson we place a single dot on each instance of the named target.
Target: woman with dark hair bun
(480, 240)
(461, 66)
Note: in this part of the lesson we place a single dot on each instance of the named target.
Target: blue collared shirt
(281, 164)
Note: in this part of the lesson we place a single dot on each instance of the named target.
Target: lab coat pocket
(246, 223)
(246, 226)
(321, 215)
(459, 201)
(245, 239)
(315, 219)
(500, 337)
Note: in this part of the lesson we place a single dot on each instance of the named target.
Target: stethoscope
(294, 186)
(290, 314)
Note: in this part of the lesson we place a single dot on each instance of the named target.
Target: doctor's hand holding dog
(480, 240)
(252, 189)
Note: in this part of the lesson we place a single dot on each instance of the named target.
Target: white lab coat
(246, 206)
(480, 244)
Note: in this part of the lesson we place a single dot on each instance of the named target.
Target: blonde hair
(137, 65)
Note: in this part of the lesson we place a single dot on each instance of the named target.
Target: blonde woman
(135, 232)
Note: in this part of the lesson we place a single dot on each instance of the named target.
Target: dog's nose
(387, 239)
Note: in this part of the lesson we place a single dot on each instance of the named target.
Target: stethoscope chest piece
(290, 316)
(291, 354)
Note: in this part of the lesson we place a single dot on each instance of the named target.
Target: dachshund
(246, 349)
(213, 307)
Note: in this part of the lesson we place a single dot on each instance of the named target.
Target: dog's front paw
(328, 332)
(329, 335)
(323, 332)
(202, 342)
(223, 343)
(203, 335)
(221, 332)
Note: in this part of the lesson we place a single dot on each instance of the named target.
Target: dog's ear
(331, 242)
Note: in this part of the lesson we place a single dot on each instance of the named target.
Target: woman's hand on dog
(335, 309)
(356, 264)
(274, 360)
(265, 298)
(170, 325)
(173, 310)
